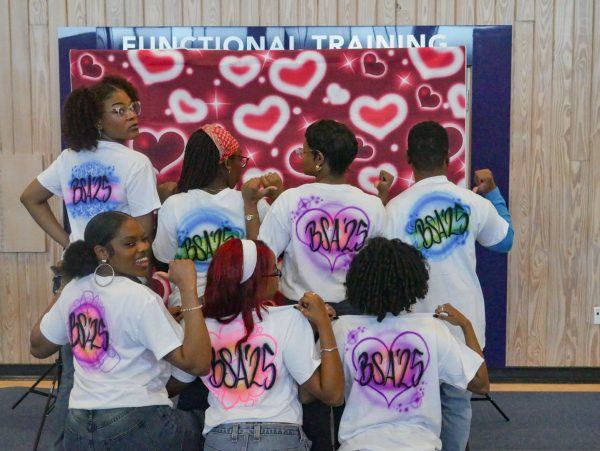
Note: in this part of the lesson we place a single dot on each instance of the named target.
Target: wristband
(189, 309)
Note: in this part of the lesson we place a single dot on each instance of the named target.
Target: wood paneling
(555, 142)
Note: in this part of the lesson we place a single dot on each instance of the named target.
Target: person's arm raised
(193, 356)
(327, 382)
(481, 382)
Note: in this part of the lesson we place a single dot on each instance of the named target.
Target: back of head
(83, 110)
(200, 162)
(386, 276)
(428, 146)
(225, 296)
(80, 258)
(335, 141)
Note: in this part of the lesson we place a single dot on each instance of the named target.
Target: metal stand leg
(489, 398)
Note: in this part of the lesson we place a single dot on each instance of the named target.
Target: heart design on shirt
(391, 369)
(241, 373)
(239, 71)
(437, 62)
(300, 76)
(156, 66)
(378, 117)
(332, 234)
(262, 122)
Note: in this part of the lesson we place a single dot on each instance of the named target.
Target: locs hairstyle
(386, 276)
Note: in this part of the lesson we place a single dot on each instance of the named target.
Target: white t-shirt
(112, 177)
(443, 221)
(118, 334)
(392, 372)
(194, 224)
(320, 227)
(258, 380)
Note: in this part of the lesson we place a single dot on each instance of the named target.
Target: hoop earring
(104, 262)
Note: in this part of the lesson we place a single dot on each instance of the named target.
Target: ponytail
(79, 260)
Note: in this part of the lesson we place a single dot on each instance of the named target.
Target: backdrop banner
(268, 99)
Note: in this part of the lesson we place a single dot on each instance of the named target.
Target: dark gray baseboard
(542, 375)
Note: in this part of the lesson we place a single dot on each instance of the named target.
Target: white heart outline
(377, 60)
(462, 149)
(290, 168)
(378, 132)
(268, 136)
(159, 135)
(369, 171)
(433, 93)
(251, 61)
(454, 93)
(150, 78)
(305, 91)
(93, 62)
(182, 117)
(426, 72)
(337, 95)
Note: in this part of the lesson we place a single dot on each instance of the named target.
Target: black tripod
(489, 398)
(51, 395)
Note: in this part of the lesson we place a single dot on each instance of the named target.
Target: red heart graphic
(155, 62)
(378, 117)
(165, 153)
(240, 70)
(435, 59)
(365, 151)
(455, 140)
(428, 98)
(299, 76)
(436, 62)
(372, 66)
(89, 68)
(262, 122)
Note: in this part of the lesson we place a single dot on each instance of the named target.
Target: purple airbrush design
(333, 232)
(393, 370)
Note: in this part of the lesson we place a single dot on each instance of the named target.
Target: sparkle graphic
(305, 125)
(349, 62)
(216, 103)
(405, 80)
(266, 58)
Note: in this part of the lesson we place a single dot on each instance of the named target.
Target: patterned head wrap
(225, 142)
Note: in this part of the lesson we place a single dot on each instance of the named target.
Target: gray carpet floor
(538, 421)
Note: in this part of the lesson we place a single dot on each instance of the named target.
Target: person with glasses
(319, 227)
(262, 354)
(97, 173)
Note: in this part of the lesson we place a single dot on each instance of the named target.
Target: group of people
(324, 296)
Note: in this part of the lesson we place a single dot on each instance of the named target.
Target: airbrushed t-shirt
(319, 228)
(443, 221)
(194, 225)
(392, 372)
(118, 333)
(257, 380)
(111, 177)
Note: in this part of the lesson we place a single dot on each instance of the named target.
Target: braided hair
(200, 162)
(386, 276)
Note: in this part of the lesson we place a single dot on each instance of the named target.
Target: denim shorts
(132, 428)
(256, 437)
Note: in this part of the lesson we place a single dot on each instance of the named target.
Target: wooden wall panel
(555, 137)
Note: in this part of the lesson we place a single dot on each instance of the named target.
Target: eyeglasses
(276, 273)
(243, 160)
(135, 108)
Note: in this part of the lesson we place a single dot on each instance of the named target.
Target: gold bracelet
(328, 349)
(183, 310)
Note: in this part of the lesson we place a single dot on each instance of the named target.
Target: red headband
(225, 142)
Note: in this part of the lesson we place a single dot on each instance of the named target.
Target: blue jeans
(256, 437)
(456, 417)
(132, 428)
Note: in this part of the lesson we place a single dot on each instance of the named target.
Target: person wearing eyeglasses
(98, 172)
(262, 354)
(319, 227)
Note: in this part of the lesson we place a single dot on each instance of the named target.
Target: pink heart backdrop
(267, 99)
